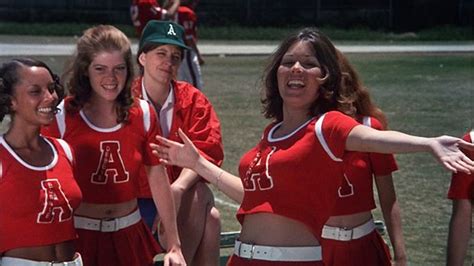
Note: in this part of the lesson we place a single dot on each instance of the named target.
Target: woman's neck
(156, 91)
(291, 121)
(27, 143)
(23, 137)
(103, 114)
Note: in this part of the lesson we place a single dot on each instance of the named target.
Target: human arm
(459, 231)
(392, 217)
(171, 7)
(200, 122)
(445, 148)
(161, 192)
(186, 155)
(187, 178)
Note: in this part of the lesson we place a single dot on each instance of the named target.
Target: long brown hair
(325, 52)
(358, 100)
(102, 38)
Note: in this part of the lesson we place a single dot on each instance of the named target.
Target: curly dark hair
(9, 78)
(325, 53)
(101, 38)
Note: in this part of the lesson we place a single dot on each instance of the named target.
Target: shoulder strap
(366, 121)
(145, 106)
(66, 149)
(61, 119)
(318, 128)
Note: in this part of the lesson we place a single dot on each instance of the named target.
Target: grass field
(427, 95)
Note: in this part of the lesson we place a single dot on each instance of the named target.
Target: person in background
(109, 131)
(38, 192)
(190, 69)
(461, 192)
(181, 106)
(142, 11)
(289, 181)
(349, 236)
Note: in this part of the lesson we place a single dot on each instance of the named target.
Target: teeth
(296, 83)
(109, 87)
(45, 109)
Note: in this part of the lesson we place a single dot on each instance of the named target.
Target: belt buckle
(251, 251)
(344, 234)
(104, 225)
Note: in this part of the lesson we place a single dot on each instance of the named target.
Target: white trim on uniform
(96, 128)
(270, 137)
(61, 118)
(318, 128)
(27, 165)
(145, 106)
(366, 121)
(471, 134)
(67, 149)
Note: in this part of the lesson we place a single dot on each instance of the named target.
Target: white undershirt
(166, 111)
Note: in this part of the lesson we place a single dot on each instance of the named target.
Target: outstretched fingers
(175, 153)
(460, 164)
(158, 151)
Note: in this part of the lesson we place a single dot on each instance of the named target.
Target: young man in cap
(181, 106)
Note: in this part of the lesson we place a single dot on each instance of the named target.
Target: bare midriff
(106, 211)
(349, 221)
(60, 252)
(274, 230)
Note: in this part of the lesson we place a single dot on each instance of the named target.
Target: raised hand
(171, 152)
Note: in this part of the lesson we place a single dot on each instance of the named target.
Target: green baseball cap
(162, 32)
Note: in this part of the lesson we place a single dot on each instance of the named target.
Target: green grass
(441, 33)
(427, 95)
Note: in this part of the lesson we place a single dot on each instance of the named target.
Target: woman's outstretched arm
(445, 148)
(187, 156)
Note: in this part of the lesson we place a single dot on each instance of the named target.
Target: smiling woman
(109, 131)
(289, 181)
(34, 231)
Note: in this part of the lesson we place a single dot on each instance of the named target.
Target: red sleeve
(382, 164)
(204, 130)
(462, 184)
(336, 126)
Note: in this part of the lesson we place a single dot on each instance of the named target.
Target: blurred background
(396, 15)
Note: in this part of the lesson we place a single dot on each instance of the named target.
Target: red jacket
(194, 114)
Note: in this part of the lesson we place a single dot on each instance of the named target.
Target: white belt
(112, 225)
(343, 234)
(10, 261)
(268, 253)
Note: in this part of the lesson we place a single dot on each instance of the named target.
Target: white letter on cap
(171, 31)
